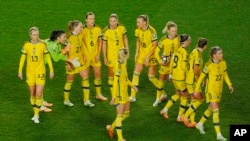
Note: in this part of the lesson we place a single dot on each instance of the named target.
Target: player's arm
(21, 63)
(104, 51)
(199, 82)
(125, 40)
(184, 62)
(197, 71)
(157, 56)
(47, 55)
(228, 82)
(99, 48)
(137, 48)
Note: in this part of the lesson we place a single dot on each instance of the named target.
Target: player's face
(78, 28)
(113, 22)
(172, 32)
(62, 38)
(34, 35)
(90, 20)
(218, 55)
(140, 23)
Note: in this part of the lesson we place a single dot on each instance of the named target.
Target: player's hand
(20, 75)
(105, 61)
(231, 89)
(69, 67)
(51, 75)
(97, 58)
(112, 101)
(75, 62)
(197, 95)
(163, 63)
(135, 88)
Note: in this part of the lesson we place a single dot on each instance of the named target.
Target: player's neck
(216, 61)
(34, 41)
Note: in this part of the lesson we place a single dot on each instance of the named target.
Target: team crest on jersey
(154, 36)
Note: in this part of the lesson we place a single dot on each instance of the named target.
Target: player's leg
(67, 88)
(85, 87)
(38, 92)
(160, 93)
(171, 101)
(119, 117)
(110, 78)
(135, 80)
(151, 75)
(32, 90)
(183, 103)
(98, 83)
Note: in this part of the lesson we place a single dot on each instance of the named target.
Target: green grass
(224, 23)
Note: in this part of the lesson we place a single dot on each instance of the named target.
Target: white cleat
(132, 99)
(88, 104)
(35, 119)
(68, 103)
(155, 104)
(221, 138)
(200, 127)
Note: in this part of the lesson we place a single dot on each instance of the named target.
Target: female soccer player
(120, 96)
(58, 48)
(179, 69)
(216, 72)
(74, 37)
(114, 38)
(195, 65)
(92, 43)
(167, 45)
(34, 51)
(146, 42)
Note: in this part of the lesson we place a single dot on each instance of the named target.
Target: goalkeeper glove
(75, 62)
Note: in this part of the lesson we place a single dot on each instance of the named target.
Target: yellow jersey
(195, 58)
(216, 73)
(90, 37)
(114, 39)
(34, 53)
(77, 50)
(179, 67)
(121, 82)
(146, 37)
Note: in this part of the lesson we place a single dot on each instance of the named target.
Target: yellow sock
(67, 89)
(183, 105)
(206, 115)
(98, 85)
(32, 100)
(135, 81)
(194, 105)
(172, 100)
(159, 89)
(216, 120)
(125, 115)
(110, 82)
(38, 106)
(85, 88)
(153, 80)
(119, 127)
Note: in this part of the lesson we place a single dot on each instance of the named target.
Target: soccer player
(216, 71)
(146, 43)
(167, 45)
(92, 43)
(178, 72)
(114, 38)
(120, 97)
(35, 51)
(58, 48)
(195, 65)
(74, 37)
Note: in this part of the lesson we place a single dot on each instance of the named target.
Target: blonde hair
(145, 18)
(168, 26)
(213, 51)
(71, 26)
(33, 29)
(114, 16)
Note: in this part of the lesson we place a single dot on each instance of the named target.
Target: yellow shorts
(213, 97)
(121, 100)
(179, 85)
(76, 69)
(164, 70)
(93, 64)
(35, 79)
(152, 61)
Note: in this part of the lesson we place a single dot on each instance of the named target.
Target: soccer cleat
(110, 131)
(163, 97)
(45, 109)
(155, 104)
(221, 138)
(47, 104)
(179, 118)
(199, 126)
(88, 104)
(35, 119)
(188, 123)
(101, 97)
(164, 114)
(132, 99)
(68, 103)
